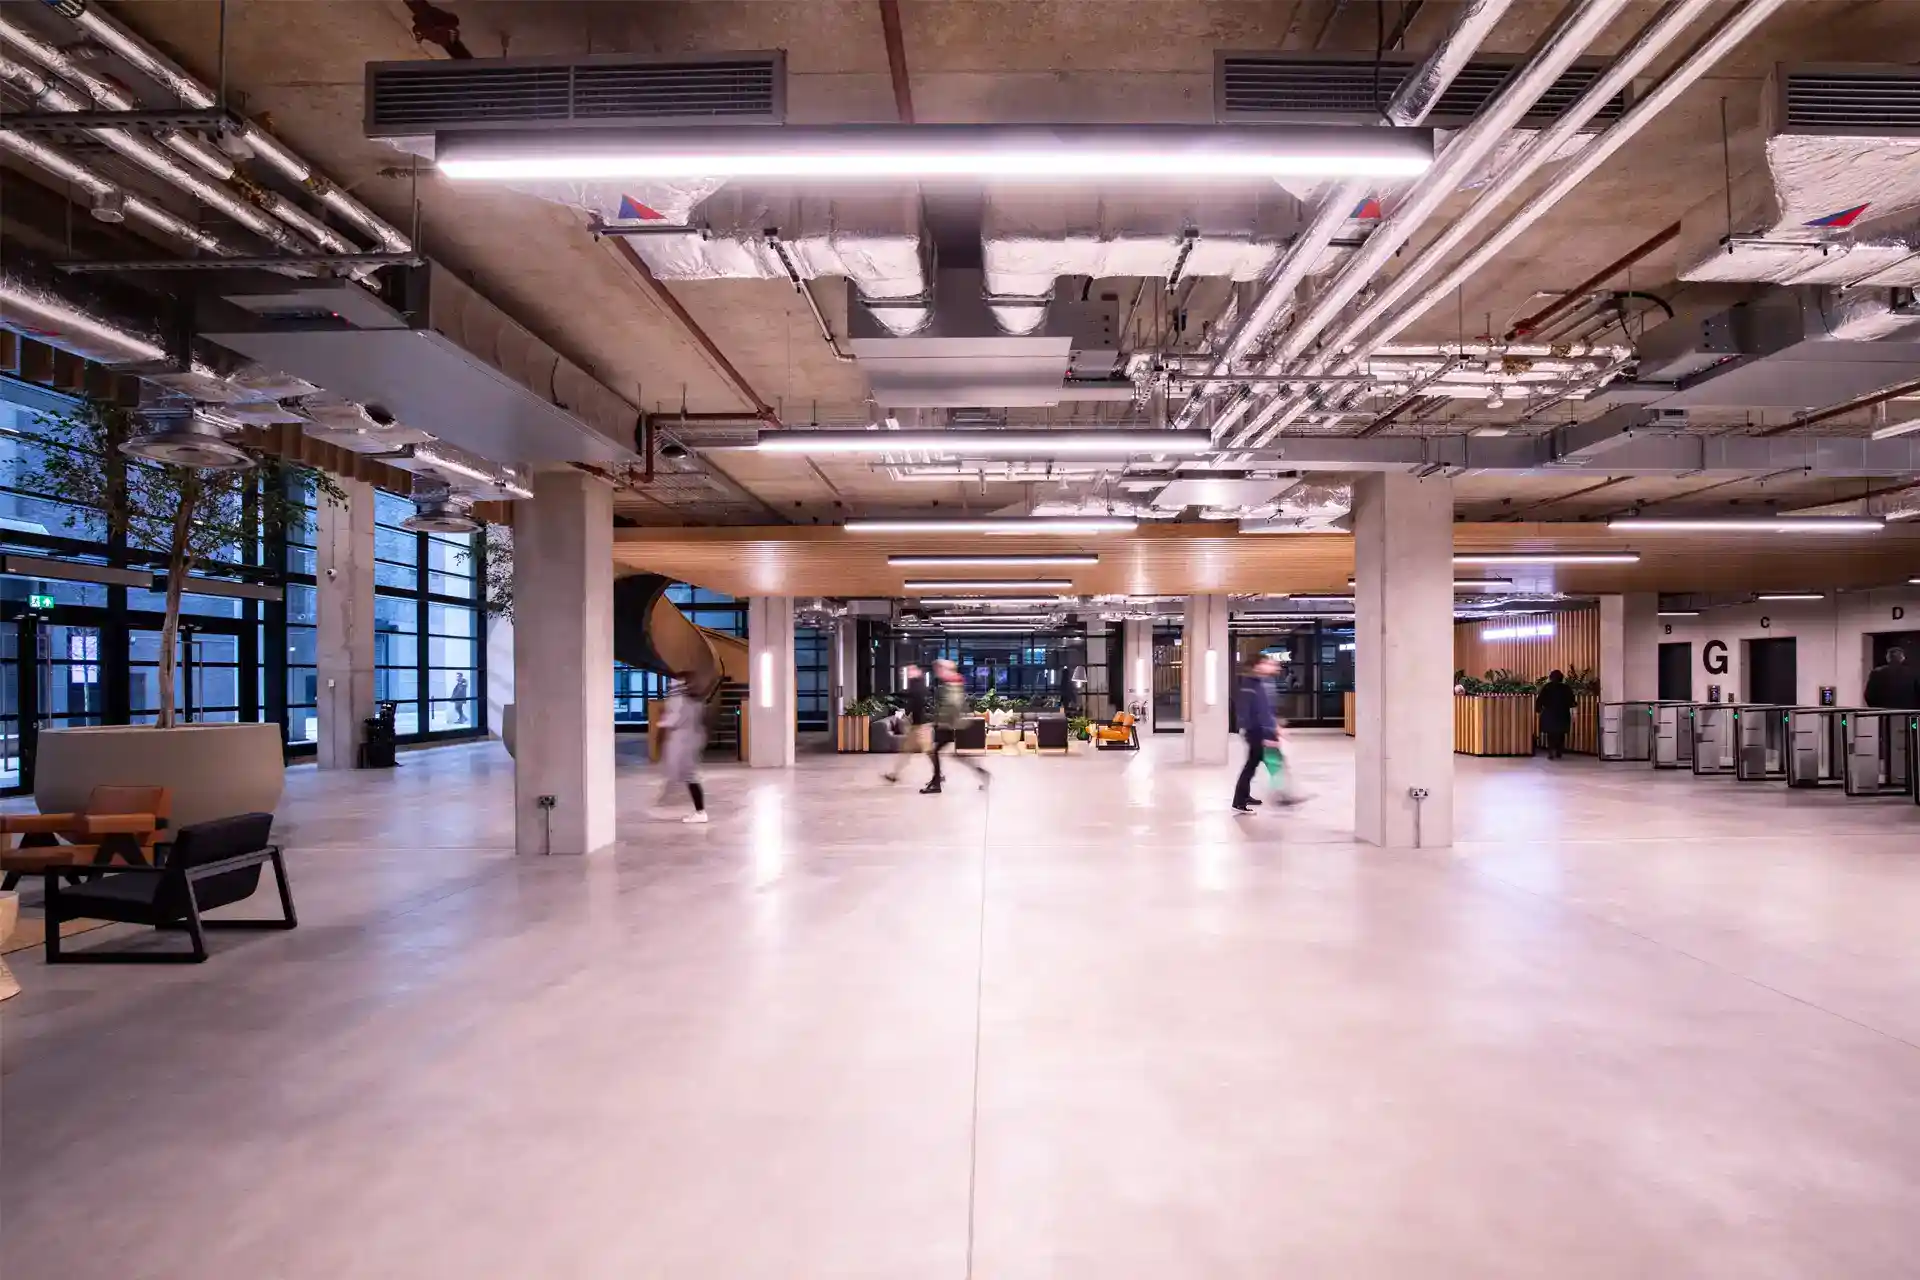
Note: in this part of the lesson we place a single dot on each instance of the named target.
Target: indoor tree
(184, 516)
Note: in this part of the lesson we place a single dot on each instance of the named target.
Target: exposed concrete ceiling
(301, 69)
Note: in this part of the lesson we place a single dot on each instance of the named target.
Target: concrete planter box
(213, 770)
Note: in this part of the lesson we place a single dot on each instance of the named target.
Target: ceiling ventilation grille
(406, 99)
(1871, 101)
(1333, 90)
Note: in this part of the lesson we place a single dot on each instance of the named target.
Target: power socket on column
(546, 802)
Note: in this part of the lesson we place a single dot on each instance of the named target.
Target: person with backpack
(919, 712)
(951, 712)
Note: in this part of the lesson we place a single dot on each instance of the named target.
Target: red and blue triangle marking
(632, 210)
(1368, 208)
(1844, 218)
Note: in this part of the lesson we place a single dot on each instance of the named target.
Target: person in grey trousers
(686, 724)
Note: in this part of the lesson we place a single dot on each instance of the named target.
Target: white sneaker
(697, 816)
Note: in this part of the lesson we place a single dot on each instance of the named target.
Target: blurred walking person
(1258, 725)
(951, 710)
(919, 712)
(686, 728)
(1555, 705)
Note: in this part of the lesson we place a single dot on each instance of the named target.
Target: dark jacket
(1555, 704)
(1254, 706)
(1893, 687)
(919, 703)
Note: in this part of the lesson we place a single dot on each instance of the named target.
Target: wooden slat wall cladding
(1573, 646)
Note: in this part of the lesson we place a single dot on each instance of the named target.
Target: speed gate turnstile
(1764, 739)
(1673, 734)
(1879, 752)
(1817, 746)
(1627, 730)
(1718, 732)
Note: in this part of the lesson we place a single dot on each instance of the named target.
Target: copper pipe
(1823, 415)
(664, 296)
(1592, 282)
(897, 59)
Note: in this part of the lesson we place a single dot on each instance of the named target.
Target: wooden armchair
(119, 822)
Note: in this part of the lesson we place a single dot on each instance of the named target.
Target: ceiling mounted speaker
(187, 440)
(110, 205)
(441, 513)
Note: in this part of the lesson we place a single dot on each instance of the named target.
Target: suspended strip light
(1114, 444)
(1017, 525)
(962, 601)
(1056, 153)
(1550, 557)
(1035, 584)
(1457, 583)
(1778, 596)
(989, 561)
(1750, 524)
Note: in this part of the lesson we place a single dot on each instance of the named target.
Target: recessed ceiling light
(1046, 153)
(1548, 557)
(984, 561)
(1749, 524)
(1015, 525)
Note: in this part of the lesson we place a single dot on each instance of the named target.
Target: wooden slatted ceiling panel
(1573, 646)
(1178, 559)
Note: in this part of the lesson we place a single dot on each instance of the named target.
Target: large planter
(213, 770)
(853, 734)
(1494, 724)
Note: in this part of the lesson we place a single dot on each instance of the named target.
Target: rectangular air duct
(1354, 89)
(418, 97)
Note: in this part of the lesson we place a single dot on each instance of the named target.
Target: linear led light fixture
(990, 617)
(955, 602)
(1016, 525)
(967, 152)
(1458, 582)
(1678, 613)
(1525, 631)
(1777, 596)
(989, 561)
(993, 584)
(1549, 557)
(1047, 444)
(1750, 524)
(504, 482)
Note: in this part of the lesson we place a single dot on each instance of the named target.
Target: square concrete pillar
(563, 665)
(1403, 660)
(843, 665)
(1208, 662)
(1629, 647)
(343, 614)
(1137, 678)
(770, 702)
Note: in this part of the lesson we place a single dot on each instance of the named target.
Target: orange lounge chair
(1122, 733)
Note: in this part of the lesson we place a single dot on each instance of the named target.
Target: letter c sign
(1714, 657)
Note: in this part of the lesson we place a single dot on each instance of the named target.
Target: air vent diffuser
(1849, 101)
(1353, 90)
(407, 99)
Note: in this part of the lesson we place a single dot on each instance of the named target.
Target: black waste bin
(376, 748)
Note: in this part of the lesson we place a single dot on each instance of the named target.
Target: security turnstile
(1816, 746)
(1673, 734)
(1626, 730)
(1879, 752)
(1763, 738)
(1717, 734)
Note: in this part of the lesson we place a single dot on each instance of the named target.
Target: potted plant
(854, 727)
(180, 516)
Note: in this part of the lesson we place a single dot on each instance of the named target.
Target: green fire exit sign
(40, 602)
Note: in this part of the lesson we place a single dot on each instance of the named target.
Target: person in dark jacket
(1258, 725)
(1893, 685)
(919, 709)
(1555, 705)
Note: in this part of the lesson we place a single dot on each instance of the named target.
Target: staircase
(724, 738)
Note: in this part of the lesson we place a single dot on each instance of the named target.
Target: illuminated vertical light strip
(1140, 671)
(766, 678)
(1213, 676)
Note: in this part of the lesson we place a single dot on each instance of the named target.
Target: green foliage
(1080, 727)
(1496, 681)
(499, 565)
(1584, 681)
(873, 706)
(182, 515)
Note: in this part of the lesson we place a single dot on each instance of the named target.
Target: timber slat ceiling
(1177, 559)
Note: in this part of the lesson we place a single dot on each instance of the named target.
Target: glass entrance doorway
(214, 675)
(50, 678)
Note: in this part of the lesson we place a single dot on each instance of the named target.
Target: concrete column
(1629, 647)
(1403, 659)
(1137, 679)
(1208, 661)
(843, 665)
(563, 665)
(770, 706)
(343, 608)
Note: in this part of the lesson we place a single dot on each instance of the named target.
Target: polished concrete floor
(1084, 1024)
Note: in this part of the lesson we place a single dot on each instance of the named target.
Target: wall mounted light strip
(1034, 584)
(1548, 557)
(1046, 153)
(1015, 525)
(989, 561)
(1749, 524)
(988, 444)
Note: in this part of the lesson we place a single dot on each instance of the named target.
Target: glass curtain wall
(75, 653)
(1316, 669)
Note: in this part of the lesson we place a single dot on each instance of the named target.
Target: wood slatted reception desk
(1527, 645)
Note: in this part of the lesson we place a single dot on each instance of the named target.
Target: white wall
(1833, 642)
